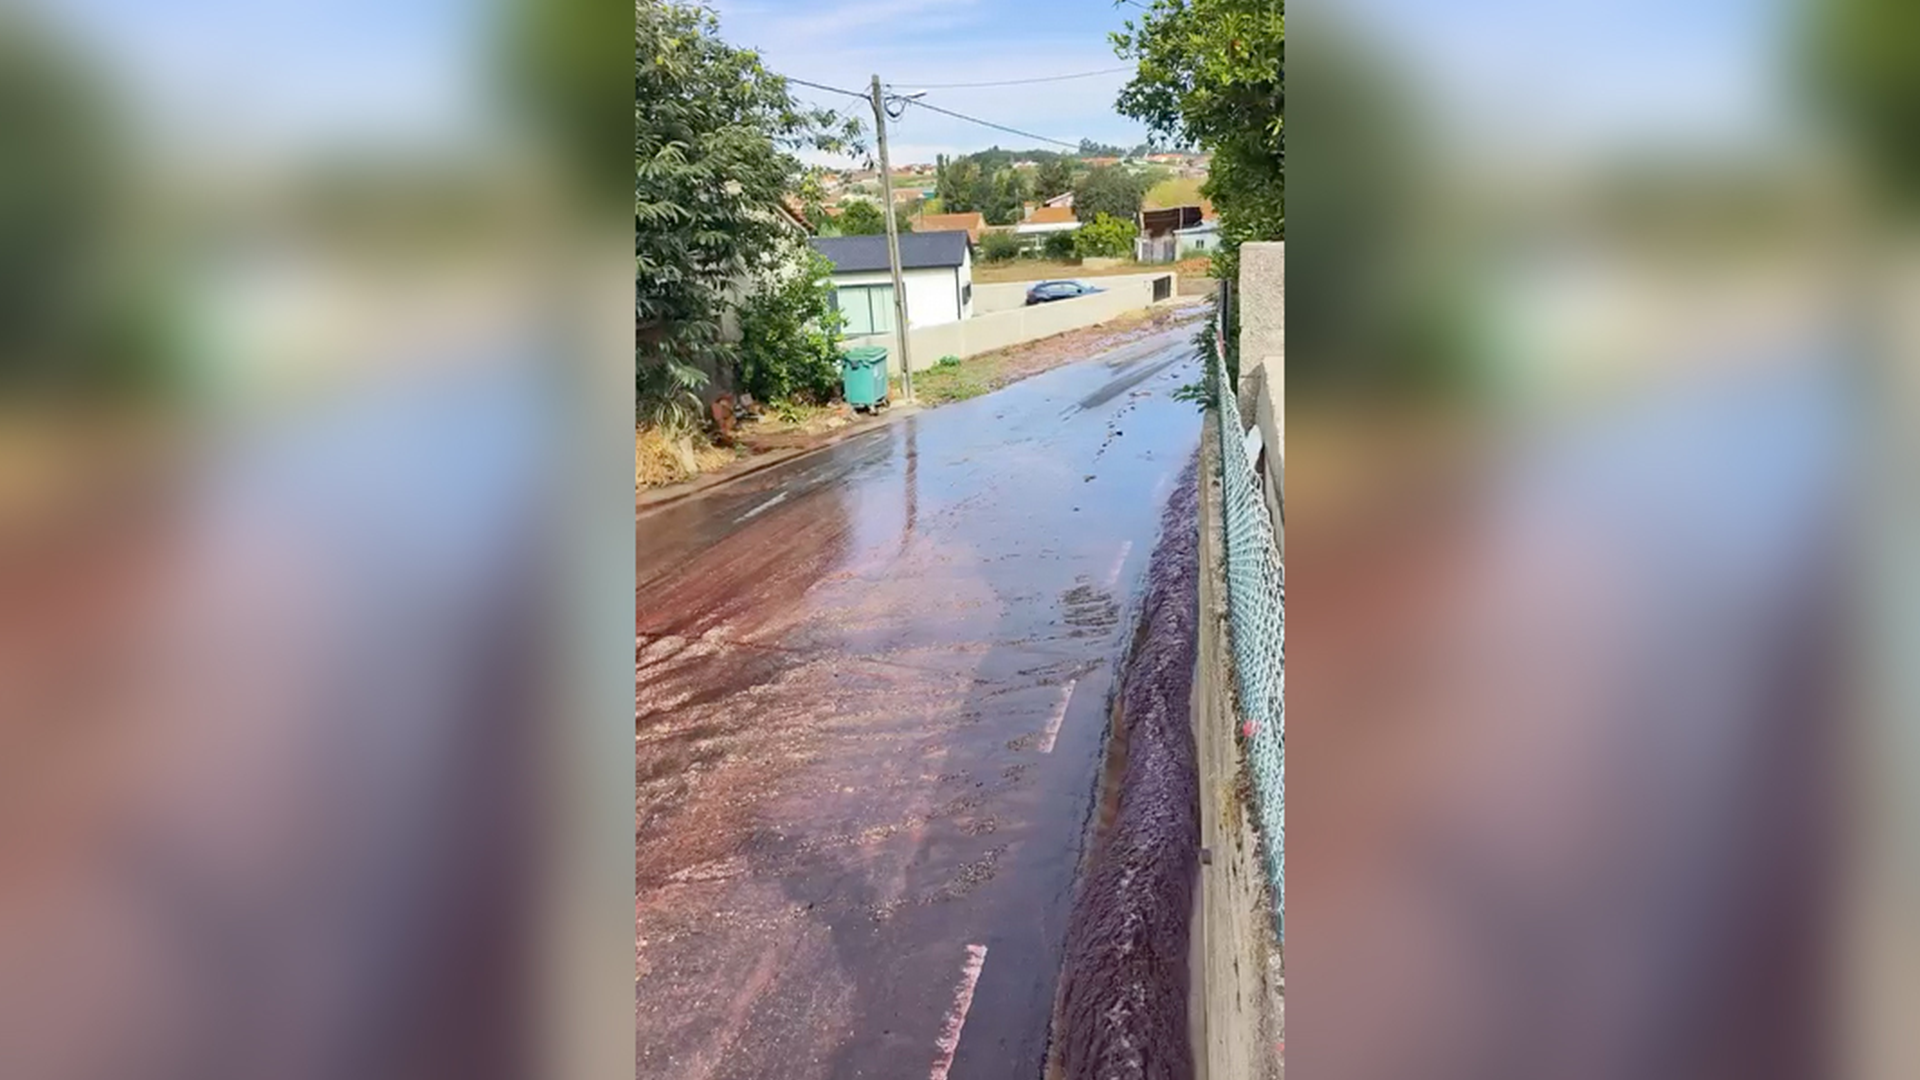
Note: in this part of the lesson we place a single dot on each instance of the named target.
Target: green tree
(861, 218)
(1865, 62)
(714, 139)
(1058, 245)
(1053, 178)
(1210, 74)
(77, 313)
(1112, 191)
(790, 334)
(1006, 196)
(957, 184)
(1105, 237)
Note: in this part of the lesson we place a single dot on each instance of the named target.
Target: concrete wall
(1263, 368)
(1007, 295)
(1236, 1011)
(1263, 302)
(984, 333)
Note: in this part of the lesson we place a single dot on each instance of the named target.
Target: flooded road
(872, 689)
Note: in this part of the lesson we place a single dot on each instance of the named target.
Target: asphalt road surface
(871, 697)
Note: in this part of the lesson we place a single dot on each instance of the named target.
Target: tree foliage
(714, 139)
(77, 315)
(790, 334)
(1112, 191)
(859, 217)
(1053, 178)
(1865, 62)
(985, 182)
(1210, 74)
(1105, 237)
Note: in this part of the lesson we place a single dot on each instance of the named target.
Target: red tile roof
(972, 223)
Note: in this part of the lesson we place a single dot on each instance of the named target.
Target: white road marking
(957, 1016)
(1120, 560)
(1160, 488)
(1059, 715)
(768, 505)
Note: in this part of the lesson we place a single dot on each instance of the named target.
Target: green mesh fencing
(1256, 616)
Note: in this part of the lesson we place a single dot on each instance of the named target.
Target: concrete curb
(648, 502)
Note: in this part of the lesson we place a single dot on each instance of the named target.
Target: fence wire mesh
(1256, 616)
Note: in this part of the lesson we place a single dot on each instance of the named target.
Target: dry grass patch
(1179, 191)
(662, 457)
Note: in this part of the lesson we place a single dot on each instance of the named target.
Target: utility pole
(893, 243)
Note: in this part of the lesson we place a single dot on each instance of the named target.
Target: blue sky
(913, 42)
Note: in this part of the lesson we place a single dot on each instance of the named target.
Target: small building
(1065, 199)
(1201, 239)
(1048, 219)
(1155, 224)
(935, 267)
(973, 224)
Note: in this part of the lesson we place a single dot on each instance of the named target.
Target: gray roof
(918, 251)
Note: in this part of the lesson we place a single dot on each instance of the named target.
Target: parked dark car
(1058, 290)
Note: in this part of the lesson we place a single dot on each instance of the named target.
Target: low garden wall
(999, 329)
(1008, 295)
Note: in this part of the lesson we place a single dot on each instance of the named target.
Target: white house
(1198, 239)
(936, 267)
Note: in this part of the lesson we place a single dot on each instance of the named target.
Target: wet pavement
(872, 693)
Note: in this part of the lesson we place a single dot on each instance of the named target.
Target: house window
(966, 294)
(868, 308)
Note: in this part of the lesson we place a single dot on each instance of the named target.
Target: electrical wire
(861, 94)
(991, 124)
(1021, 82)
(896, 99)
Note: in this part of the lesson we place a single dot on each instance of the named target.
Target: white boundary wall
(1007, 295)
(999, 329)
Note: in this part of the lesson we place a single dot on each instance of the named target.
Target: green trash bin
(863, 375)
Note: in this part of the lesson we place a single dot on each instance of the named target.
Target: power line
(938, 109)
(861, 94)
(1022, 82)
(991, 124)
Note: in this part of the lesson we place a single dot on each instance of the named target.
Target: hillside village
(1022, 203)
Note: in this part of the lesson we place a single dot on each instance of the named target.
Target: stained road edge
(1121, 1008)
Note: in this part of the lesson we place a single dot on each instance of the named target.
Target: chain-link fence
(1256, 615)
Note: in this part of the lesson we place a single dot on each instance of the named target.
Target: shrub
(948, 361)
(790, 335)
(1058, 245)
(1105, 237)
(998, 247)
